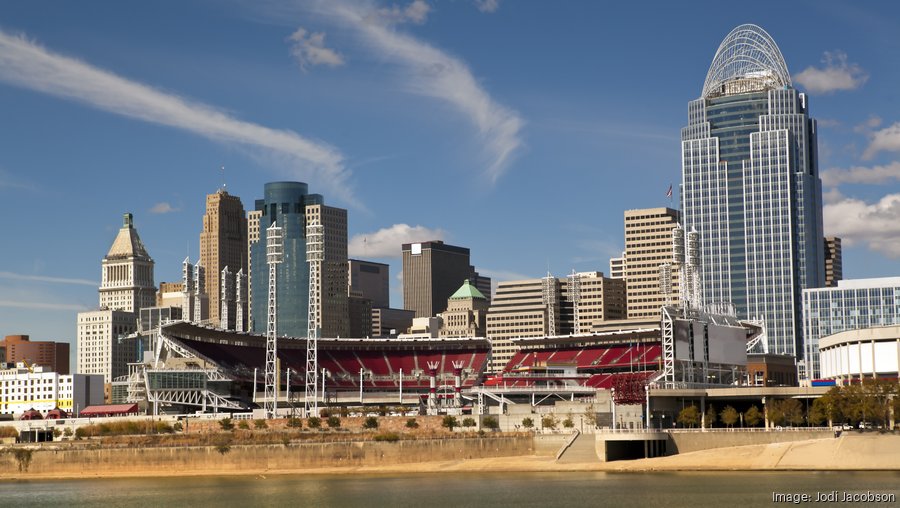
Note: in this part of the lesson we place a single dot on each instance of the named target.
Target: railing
(644, 430)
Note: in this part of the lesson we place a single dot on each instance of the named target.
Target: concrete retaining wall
(209, 459)
(684, 442)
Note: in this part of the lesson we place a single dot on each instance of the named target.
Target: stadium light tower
(315, 251)
(274, 256)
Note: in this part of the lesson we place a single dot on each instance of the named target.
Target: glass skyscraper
(284, 203)
(751, 188)
(852, 305)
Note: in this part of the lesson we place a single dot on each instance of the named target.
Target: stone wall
(684, 442)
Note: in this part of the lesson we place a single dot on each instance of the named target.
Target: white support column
(315, 253)
(274, 255)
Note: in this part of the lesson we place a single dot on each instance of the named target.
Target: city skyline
(143, 124)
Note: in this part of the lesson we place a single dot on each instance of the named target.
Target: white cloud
(501, 275)
(415, 12)
(876, 225)
(42, 278)
(860, 174)
(387, 242)
(837, 74)
(309, 49)
(24, 63)
(873, 122)
(17, 304)
(431, 72)
(163, 207)
(887, 139)
(487, 5)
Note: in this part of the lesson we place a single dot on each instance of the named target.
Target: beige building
(834, 265)
(223, 243)
(617, 267)
(126, 288)
(466, 313)
(252, 237)
(127, 272)
(170, 294)
(550, 306)
(331, 287)
(648, 244)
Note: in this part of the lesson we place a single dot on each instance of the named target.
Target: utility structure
(274, 256)
(574, 288)
(315, 253)
(550, 298)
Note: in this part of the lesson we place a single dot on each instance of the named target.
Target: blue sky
(519, 129)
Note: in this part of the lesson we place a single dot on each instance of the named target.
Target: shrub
(324, 413)
(468, 422)
(568, 423)
(411, 423)
(549, 422)
(57, 432)
(370, 423)
(226, 424)
(314, 422)
(243, 425)
(449, 422)
(178, 427)
(67, 432)
(10, 432)
(260, 424)
(528, 423)
(295, 423)
(491, 422)
(333, 422)
(223, 448)
(390, 437)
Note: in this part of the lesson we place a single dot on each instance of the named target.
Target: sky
(519, 129)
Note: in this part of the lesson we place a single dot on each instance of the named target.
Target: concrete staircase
(583, 449)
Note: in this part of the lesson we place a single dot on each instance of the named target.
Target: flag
(669, 192)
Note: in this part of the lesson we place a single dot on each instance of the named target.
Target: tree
(729, 416)
(371, 423)
(710, 417)
(528, 423)
(590, 415)
(752, 416)
(468, 422)
(490, 422)
(333, 422)
(260, 424)
(774, 412)
(226, 424)
(792, 411)
(450, 422)
(689, 416)
(550, 422)
(294, 423)
(314, 422)
(819, 412)
(568, 422)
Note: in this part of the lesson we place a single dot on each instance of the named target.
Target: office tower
(52, 355)
(751, 187)
(617, 267)
(126, 287)
(370, 280)
(551, 306)
(432, 271)
(252, 237)
(466, 313)
(482, 283)
(834, 265)
(223, 243)
(127, 272)
(297, 212)
(389, 322)
(852, 305)
(169, 294)
(331, 288)
(648, 244)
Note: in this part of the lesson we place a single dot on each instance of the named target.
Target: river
(521, 490)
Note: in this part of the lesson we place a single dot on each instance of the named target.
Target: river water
(521, 490)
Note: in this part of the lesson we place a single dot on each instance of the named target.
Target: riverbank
(857, 452)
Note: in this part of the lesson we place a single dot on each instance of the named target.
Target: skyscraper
(751, 188)
(432, 271)
(223, 243)
(127, 272)
(648, 244)
(834, 265)
(290, 205)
